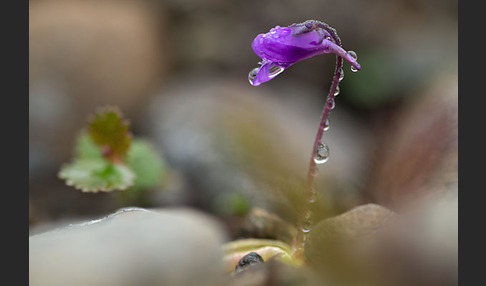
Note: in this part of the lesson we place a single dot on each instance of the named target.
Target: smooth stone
(133, 246)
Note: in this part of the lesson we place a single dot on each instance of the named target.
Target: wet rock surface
(130, 247)
(248, 260)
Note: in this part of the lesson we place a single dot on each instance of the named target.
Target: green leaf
(110, 131)
(86, 148)
(146, 163)
(94, 175)
(232, 204)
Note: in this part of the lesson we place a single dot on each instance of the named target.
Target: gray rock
(130, 247)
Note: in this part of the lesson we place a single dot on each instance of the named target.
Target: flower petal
(281, 47)
(266, 72)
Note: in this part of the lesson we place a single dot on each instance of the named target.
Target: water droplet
(327, 124)
(275, 70)
(353, 54)
(336, 92)
(307, 227)
(275, 36)
(322, 154)
(341, 75)
(333, 104)
(313, 198)
(252, 74)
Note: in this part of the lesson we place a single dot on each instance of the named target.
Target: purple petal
(284, 46)
(266, 72)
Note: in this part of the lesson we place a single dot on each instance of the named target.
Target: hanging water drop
(355, 57)
(336, 93)
(341, 74)
(327, 124)
(353, 54)
(275, 70)
(252, 74)
(333, 104)
(322, 154)
(307, 227)
(313, 198)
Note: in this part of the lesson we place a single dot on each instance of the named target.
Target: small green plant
(108, 157)
(279, 49)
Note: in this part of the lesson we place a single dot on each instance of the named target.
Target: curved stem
(325, 114)
(312, 171)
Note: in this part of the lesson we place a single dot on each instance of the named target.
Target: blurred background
(177, 69)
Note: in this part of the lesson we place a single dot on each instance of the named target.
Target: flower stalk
(312, 170)
(279, 49)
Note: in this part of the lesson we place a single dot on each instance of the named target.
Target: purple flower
(281, 47)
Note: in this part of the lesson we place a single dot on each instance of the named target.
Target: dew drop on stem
(341, 74)
(307, 227)
(336, 93)
(322, 154)
(327, 124)
(333, 104)
(313, 197)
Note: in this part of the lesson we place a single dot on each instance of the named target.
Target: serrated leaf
(86, 148)
(110, 131)
(146, 163)
(94, 175)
